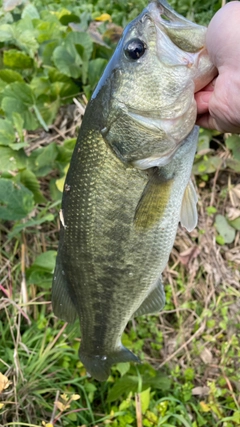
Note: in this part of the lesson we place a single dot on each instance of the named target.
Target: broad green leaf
(46, 52)
(122, 387)
(16, 201)
(160, 381)
(30, 11)
(67, 61)
(65, 91)
(18, 60)
(150, 379)
(7, 134)
(18, 145)
(7, 160)
(224, 229)
(234, 164)
(82, 39)
(123, 368)
(29, 180)
(6, 33)
(56, 76)
(13, 104)
(10, 76)
(44, 162)
(233, 142)
(84, 56)
(48, 155)
(27, 41)
(48, 30)
(41, 85)
(18, 97)
(95, 70)
(55, 85)
(2, 87)
(11, 160)
(65, 151)
(46, 261)
(39, 277)
(49, 111)
(18, 124)
(23, 24)
(20, 91)
(235, 223)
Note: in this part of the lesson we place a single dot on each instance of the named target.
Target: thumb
(202, 99)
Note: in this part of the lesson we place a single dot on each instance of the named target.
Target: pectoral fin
(61, 301)
(153, 202)
(189, 215)
(154, 302)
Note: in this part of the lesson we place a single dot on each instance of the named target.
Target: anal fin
(189, 215)
(154, 302)
(62, 304)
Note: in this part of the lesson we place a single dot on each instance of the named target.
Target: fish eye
(134, 49)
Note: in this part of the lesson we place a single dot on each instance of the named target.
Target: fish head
(147, 90)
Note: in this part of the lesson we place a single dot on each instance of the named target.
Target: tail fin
(98, 366)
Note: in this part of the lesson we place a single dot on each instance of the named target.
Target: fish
(129, 183)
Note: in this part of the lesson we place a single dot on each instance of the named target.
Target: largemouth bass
(128, 184)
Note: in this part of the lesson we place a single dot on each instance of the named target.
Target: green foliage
(44, 63)
(224, 228)
(146, 378)
(16, 201)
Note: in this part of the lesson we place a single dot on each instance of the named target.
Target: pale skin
(218, 104)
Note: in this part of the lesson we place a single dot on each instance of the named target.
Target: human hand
(218, 104)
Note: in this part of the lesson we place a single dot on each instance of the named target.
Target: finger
(208, 122)
(202, 99)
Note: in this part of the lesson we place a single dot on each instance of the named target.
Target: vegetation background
(52, 54)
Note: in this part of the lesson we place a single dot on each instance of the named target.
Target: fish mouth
(181, 42)
(178, 28)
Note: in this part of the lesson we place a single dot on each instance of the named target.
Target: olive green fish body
(116, 244)
(128, 184)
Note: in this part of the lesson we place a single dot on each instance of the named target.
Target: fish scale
(128, 185)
